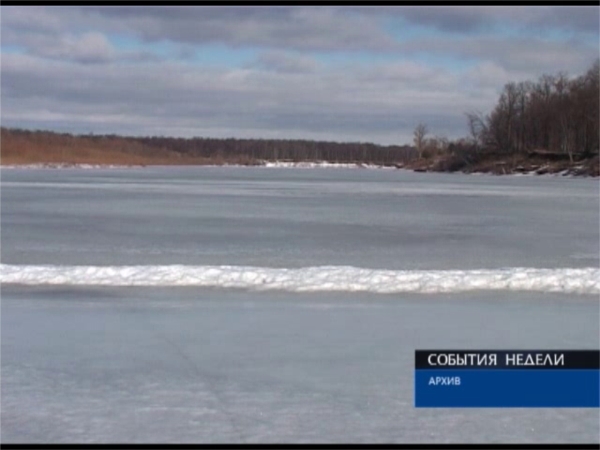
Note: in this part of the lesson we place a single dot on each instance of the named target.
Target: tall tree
(419, 134)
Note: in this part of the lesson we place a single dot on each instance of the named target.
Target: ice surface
(114, 364)
(293, 218)
(395, 260)
(69, 166)
(307, 279)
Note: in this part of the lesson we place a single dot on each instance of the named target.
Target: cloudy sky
(366, 74)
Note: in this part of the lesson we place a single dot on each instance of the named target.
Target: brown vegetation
(26, 147)
(33, 147)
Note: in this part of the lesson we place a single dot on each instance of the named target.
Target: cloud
(576, 18)
(525, 55)
(336, 73)
(291, 28)
(280, 61)
(469, 19)
(449, 18)
(366, 104)
(337, 27)
(92, 47)
(298, 28)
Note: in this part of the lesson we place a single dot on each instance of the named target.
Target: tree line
(283, 149)
(213, 150)
(556, 114)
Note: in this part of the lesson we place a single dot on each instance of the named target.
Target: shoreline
(535, 170)
(46, 149)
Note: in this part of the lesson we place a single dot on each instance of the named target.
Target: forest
(553, 114)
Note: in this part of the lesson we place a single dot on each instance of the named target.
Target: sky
(334, 73)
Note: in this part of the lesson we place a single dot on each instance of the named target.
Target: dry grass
(18, 148)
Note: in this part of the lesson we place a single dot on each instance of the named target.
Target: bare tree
(557, 114)
(420, 132)
(478, 128)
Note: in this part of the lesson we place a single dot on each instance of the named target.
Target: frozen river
(301, 353)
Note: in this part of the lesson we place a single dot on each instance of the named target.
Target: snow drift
(307, 279)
